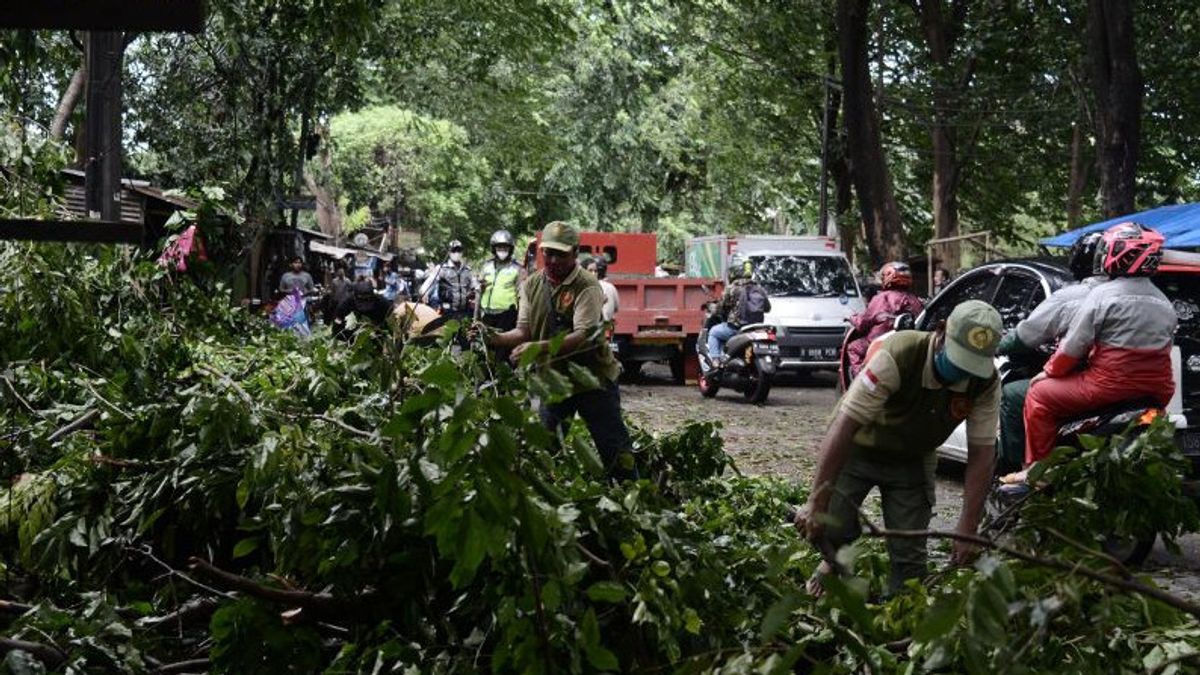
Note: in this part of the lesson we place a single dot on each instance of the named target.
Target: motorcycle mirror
(904, 322)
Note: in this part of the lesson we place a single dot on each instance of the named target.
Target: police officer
(904, 403)
(453, 285)
(501, 280)
(561, 299)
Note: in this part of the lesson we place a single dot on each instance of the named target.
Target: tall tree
(864, 145)
(1118, 88)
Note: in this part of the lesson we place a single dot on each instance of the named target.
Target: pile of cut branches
(189, 490)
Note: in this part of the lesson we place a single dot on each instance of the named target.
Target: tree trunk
(869, 169)
(1079, 176)
(941, 34)
(1117, 84)
(67, 104)
(320, 184)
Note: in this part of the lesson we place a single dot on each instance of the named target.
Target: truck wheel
(678, 373)
(1131, 551)
(708, 388)
(758, 391)
(631, 371)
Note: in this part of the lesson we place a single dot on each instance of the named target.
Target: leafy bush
(196, 486)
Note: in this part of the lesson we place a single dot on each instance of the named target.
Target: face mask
(455, 256)
(948, 372)
(502, 254)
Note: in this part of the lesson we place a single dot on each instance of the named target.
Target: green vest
(552, 312)
(915, 420)
(500, 286)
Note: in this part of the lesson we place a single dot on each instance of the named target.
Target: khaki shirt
(575, 305)
(880, 377)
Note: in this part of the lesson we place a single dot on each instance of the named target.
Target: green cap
(559, 236)
(972, 335)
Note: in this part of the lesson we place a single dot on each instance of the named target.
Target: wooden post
(102, 163)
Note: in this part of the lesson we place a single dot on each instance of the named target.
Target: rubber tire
(631, 371)
(707, 390)
(762, 386)
(678, 373)
(1137, 555)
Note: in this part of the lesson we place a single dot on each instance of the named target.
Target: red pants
(1113, 375)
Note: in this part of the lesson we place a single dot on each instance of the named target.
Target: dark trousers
(501, 321)
(601, 412)
(1011, 456)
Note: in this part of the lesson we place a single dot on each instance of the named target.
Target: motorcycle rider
(1124, 328)
(744, 303)
(500, 284)
(912, 393)
(895, 298)
(453, 285)
(1047, 323)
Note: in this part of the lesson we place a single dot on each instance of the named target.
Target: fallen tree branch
(51, 656)
(149, 553)
(21, 398)
(237, 388)
(74, 425)
(323, 604)
(198, 610)
(12, 607)
(369, 435)
(1132, 585)
(99, 397)
(190, 666)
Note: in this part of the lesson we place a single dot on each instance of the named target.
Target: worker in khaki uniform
(559, 299)
(904, 403)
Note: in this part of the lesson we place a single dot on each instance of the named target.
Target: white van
(812, 287)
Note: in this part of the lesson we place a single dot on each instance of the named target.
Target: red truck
(659, 318)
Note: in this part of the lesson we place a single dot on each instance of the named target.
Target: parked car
(1016, 287)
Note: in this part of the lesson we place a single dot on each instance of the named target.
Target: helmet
(360, 240)
(601, 267)
(455, 245)
(1082, 259)
(1129, 250)
(501, 238)
(895, 275)
(740, 267)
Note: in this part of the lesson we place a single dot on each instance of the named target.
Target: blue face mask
(946, 371)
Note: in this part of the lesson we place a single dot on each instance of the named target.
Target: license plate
(762, 335)
(820, 353)
(1188, 441)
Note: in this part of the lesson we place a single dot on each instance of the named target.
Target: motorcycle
(751, 360)
(1004, 500)
(900, 322)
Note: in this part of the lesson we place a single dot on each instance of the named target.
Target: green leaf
(245, 547)
(442, 374)
(777, 614)
(607, 591)
(939, 619)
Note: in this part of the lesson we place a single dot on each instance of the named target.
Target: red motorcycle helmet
(895, 275)
(1131, 250)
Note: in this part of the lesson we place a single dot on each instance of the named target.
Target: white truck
(812, 287)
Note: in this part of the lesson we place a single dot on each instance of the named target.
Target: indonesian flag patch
(869, 379)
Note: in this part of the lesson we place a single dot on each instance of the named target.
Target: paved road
(780, 439)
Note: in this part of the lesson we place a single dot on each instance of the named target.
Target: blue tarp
(1179, 223)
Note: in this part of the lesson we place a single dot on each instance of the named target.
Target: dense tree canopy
(679, 118)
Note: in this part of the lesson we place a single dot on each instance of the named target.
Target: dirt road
(780, 439)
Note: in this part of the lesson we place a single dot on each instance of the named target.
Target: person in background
(340, 288)
(1124, 328)
(296, 278)
(500, 284)
(940, 278)
(364, 303)
(885, 433)
(1047, 323)
(562, 299)
(598, 266)
(394, 286)
(894, 298)
(453, 287)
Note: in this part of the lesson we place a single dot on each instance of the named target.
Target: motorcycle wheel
(760, 386)
(708, 388)
(1131, 551)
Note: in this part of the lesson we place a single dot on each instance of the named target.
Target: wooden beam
(86, 231)
(115, 15)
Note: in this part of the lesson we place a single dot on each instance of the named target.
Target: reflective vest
(500, 290)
